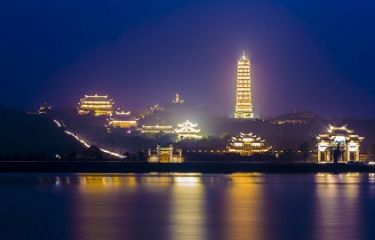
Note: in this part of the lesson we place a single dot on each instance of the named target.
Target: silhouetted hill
(287, 131)
(298, 118)
(32, 136)
(172, 113)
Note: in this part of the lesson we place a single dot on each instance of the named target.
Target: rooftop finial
(243, 55)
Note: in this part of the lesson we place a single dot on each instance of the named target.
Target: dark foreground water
(187, 206)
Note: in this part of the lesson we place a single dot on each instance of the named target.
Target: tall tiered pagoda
(244, 101)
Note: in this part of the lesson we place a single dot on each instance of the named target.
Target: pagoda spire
(244, 54)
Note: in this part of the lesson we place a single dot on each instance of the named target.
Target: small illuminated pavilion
(247, 144)
(178, 99)
(165, 155)
(96, 104)
(339, 139)
(157, 129)
(122, 119)
(188, 130)
(44, 108)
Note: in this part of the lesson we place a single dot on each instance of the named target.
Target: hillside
(32, 136)
(288, 131)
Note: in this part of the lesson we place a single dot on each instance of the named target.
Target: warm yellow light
(244, 106)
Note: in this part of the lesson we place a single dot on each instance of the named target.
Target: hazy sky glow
(306, 55)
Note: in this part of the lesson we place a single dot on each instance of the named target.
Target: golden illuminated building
(157, 129)
(339, 140)
(244, 103)
(178, 99)
(165, 155)
(122, 119)
(247, 144)
(188, 130)
(95, 104)
(44, 108)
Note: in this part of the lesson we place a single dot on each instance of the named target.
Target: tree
(141, 156)
(372, 152)
(93, 152)
(337, 153)
(305, 149)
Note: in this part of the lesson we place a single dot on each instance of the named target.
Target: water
(187, 206)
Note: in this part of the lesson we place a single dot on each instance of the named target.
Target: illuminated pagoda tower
(165, 155)
(95, 104)
(244, 103)
(339, 140)
(188, 130)
(247, 144)
(122, 119)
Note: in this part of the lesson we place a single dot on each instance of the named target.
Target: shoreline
(187, 167)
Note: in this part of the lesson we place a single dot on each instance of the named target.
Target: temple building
(338, 144)
(122, 119)
(95, 104)
(178, 99)
(165, 155)
(44, 108)
(188, 130)
(244, 103)
(157, 129)
(247, 144)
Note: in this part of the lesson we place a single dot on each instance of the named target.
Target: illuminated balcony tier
(95, 104)
(122, 120)
(338, 143)
(247, 144)
(156, 129)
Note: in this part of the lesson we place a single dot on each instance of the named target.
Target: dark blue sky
(306, 55)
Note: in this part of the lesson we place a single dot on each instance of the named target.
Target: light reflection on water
(188, 206)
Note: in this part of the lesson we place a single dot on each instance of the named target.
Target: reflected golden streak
(188, 218)
(244, 207)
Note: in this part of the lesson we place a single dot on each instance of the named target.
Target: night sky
(306, 55)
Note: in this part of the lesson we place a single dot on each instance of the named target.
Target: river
(187, 206)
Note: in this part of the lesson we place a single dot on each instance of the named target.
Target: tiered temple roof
(247, 144)
(122, 119)
(339, 139)
(95, 104)
(188, 130)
